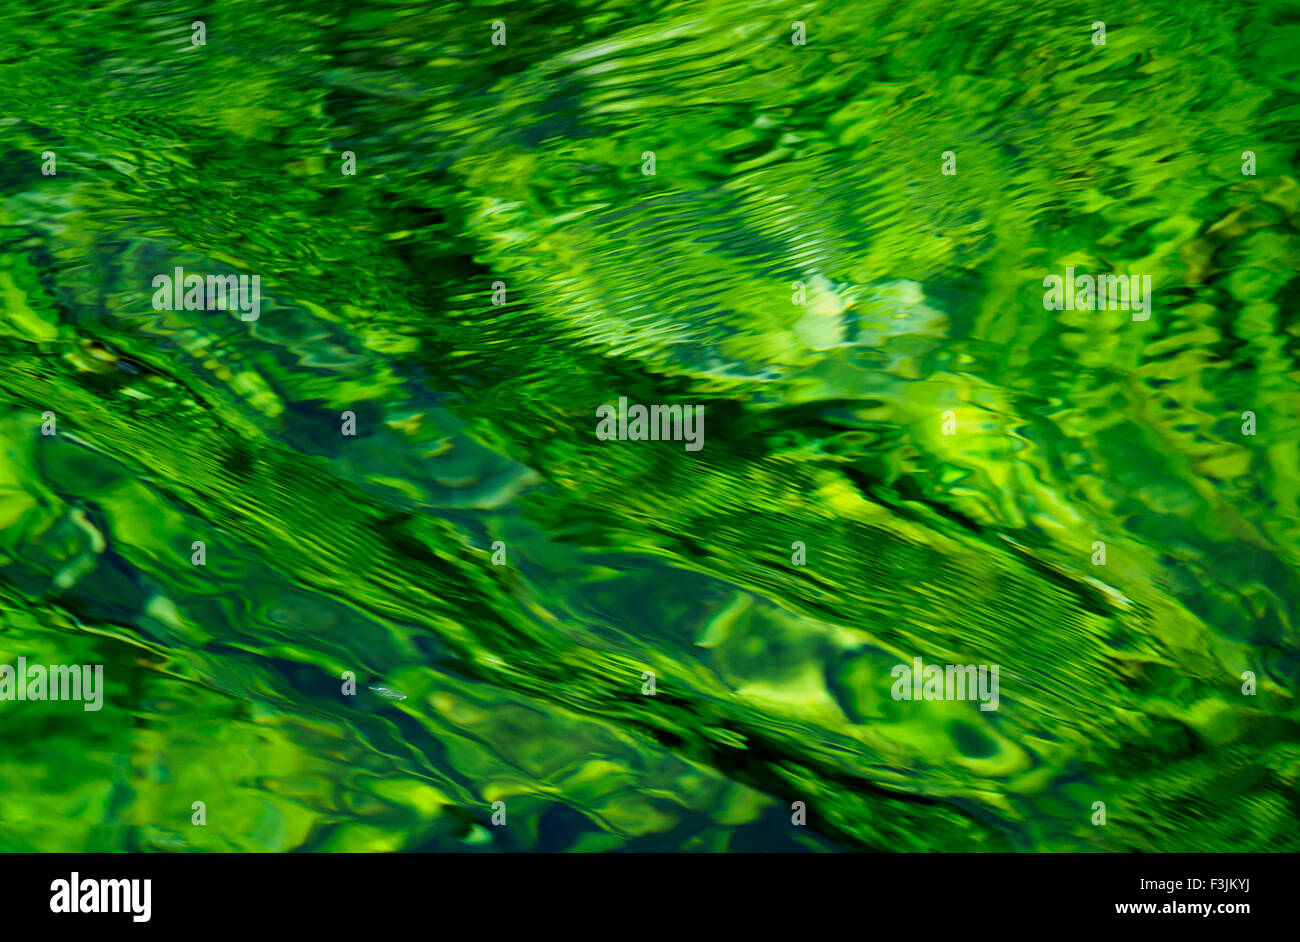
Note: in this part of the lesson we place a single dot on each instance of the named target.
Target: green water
(522, 683)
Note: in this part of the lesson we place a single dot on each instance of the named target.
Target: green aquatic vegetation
(798, 267)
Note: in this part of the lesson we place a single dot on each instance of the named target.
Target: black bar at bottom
(678, 893)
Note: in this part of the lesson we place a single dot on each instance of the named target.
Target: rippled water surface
(523, 164)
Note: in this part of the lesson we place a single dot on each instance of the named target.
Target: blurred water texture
(775, 164)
